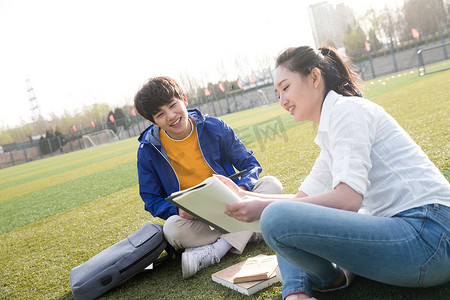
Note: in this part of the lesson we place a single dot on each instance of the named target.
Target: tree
(5, 137)
(354, 41)
(190, 85)
(120, 117)
(373, 40)
(425, 15)
(109, 123)
(242, 65)
(60, 136)
(44, 145)
(67, 121)
(388, 21)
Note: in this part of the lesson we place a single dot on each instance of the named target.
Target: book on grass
(227, 276)
(256, 268)
(207, 201)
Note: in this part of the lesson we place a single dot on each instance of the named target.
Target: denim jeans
(410, 249)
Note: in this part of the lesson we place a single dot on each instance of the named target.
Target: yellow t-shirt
(186, 158)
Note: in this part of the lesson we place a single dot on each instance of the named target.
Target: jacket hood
(151, 134)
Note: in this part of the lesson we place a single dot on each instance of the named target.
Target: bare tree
(190, 84)
(242, 66)
(263, 67)
(387, 23)
(425, 15)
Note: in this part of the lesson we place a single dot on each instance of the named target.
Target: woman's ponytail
(339, 74)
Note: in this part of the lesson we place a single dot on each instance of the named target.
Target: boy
(181, 149)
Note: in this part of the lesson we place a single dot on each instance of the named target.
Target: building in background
(329, 23)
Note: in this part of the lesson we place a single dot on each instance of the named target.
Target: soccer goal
(432, 55)
(104, 136)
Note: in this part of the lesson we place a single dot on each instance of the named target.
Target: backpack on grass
(120, 262)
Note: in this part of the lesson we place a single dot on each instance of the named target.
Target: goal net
(104, 136)
(433, 55)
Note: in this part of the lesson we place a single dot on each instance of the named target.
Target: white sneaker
(195, 259)
(349, 276)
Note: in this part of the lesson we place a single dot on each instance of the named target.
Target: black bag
(119, 262)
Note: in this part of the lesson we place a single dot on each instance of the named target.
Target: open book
(207, 201)
(227, 276)
(256, 268)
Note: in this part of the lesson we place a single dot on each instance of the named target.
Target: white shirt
(365, 148)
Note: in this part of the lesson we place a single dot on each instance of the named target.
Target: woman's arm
(341, 197)
(245, 194)
(253, 204)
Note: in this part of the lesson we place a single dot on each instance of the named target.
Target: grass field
(58, 212)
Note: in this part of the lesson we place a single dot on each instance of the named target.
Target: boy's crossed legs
(204, 245)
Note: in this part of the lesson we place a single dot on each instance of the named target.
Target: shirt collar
(151, 134)
(325, 114)
(327, 107)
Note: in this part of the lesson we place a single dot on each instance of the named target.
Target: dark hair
(337, 73)
(158, 91)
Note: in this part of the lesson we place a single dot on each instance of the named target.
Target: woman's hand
(185, 215)
(250, 207)
(231, 185)
(248, 210)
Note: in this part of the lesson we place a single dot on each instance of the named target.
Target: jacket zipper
(178, 181)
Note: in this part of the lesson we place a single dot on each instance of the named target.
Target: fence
(403, 58)
(258, 94)
(15, 154)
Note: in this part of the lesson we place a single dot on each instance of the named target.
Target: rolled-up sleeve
(351, 135)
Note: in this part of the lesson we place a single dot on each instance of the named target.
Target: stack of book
(249, 276)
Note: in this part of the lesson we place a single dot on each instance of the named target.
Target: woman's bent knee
(271, 218)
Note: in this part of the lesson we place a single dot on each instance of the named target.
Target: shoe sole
(185, 270)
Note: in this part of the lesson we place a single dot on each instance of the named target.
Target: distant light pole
(367, 46)
(416, 36)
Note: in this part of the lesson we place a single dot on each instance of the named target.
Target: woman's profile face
(298, 94)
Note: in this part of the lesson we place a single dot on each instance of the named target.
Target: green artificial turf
(63, 163)
(32, 207)
(91, 201)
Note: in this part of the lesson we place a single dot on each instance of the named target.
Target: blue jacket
(220, 146)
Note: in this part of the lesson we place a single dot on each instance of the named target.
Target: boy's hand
(185, 215)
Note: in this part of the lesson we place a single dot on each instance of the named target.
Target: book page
(209, 203)
(256, 268)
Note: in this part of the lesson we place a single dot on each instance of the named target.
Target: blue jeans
(410, 249)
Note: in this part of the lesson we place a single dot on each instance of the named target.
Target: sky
(79, 52)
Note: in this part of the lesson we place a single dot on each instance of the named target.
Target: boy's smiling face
(173, 118)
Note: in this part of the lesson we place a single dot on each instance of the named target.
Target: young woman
(373, 205)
